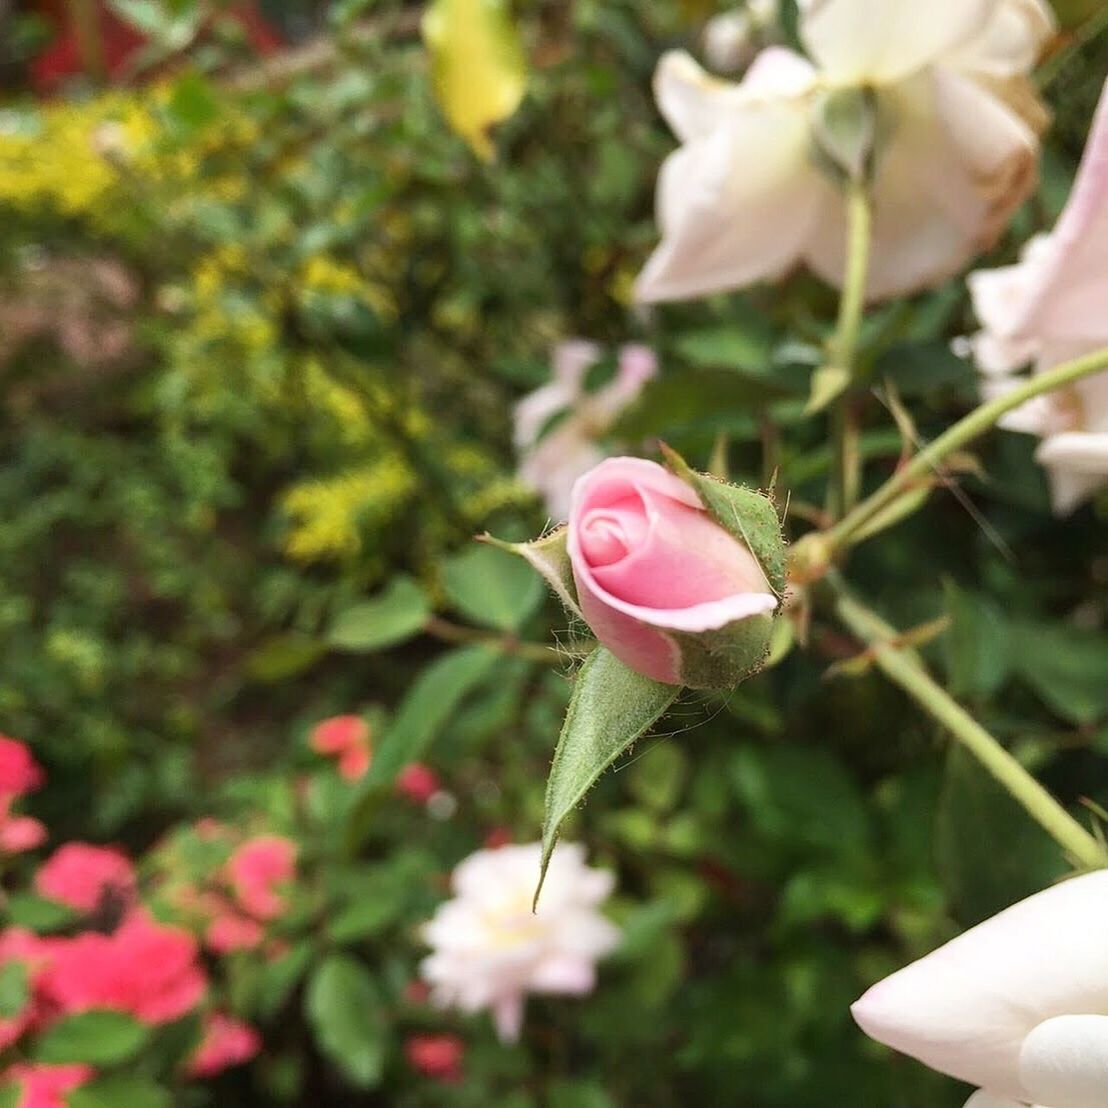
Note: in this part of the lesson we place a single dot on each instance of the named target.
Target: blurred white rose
(1016, 1005)
(554, 454)
(490, 950)
(752, 192)
(1049, 308)
(731, 38)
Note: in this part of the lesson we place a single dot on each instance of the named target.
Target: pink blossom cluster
(20, 774)
(346, 739)
(124, 960)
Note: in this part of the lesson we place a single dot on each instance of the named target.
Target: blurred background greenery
(261, 327)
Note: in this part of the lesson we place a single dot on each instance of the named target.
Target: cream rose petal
(967, 1008)
(982, 1099)
(960, 164)
(1061, 285)
(1064, 1061)
(1011, 41)
(737, 202)
(880, 41)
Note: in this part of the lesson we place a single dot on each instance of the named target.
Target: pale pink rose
(19, 772)
(648, 561)
(746, 199)
(551, 462)
(44, 1086)
(1018, 1005)
(257, 870)
(226, 1042)
(146, 969)
(346, 738)
(436, 1056)
(1048, 309)
(80, 874)
(418, 782)
(489, 949)
(19, 833)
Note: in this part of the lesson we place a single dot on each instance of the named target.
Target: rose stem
(904, 668)
(844, 347)
(976, 423)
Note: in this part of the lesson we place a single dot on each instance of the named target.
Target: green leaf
(990, 852)
(578, 1094)
(120, 1091)
(712, 398)
(281, 976)
(37, 913)
(101, 1038)
(977, 644)
(803, 796)
(398, 613)
(491, 587)
(192, 104)
(10, 1095)
(1066, 666)
(13, 989)
(748, 348)
(922, 369)
(281, 657)
(347, 1016)
(427, 706)
(611, 707)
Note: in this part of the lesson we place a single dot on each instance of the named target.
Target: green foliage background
(334, 307)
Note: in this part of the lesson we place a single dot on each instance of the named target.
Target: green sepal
(721, 659)
(550, 556)
(750, 516)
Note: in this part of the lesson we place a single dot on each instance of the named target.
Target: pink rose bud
(677, 574)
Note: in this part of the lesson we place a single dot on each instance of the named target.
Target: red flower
(19, 833)
(19, 772)
(348, 739)
(436, 1056)
(80, 874)
(227, 1042)
(45, 1086)
(418, 782)
(120, 42)
(144, 968)
(255, 871)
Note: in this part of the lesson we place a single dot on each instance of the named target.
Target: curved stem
(965, 430)
(452, 632)
(844, 348)
(904, 668)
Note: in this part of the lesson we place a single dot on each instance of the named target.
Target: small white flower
(1017, 1005)
(747, 197)
(490, 950)
(1047, 309)
(553, 457)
